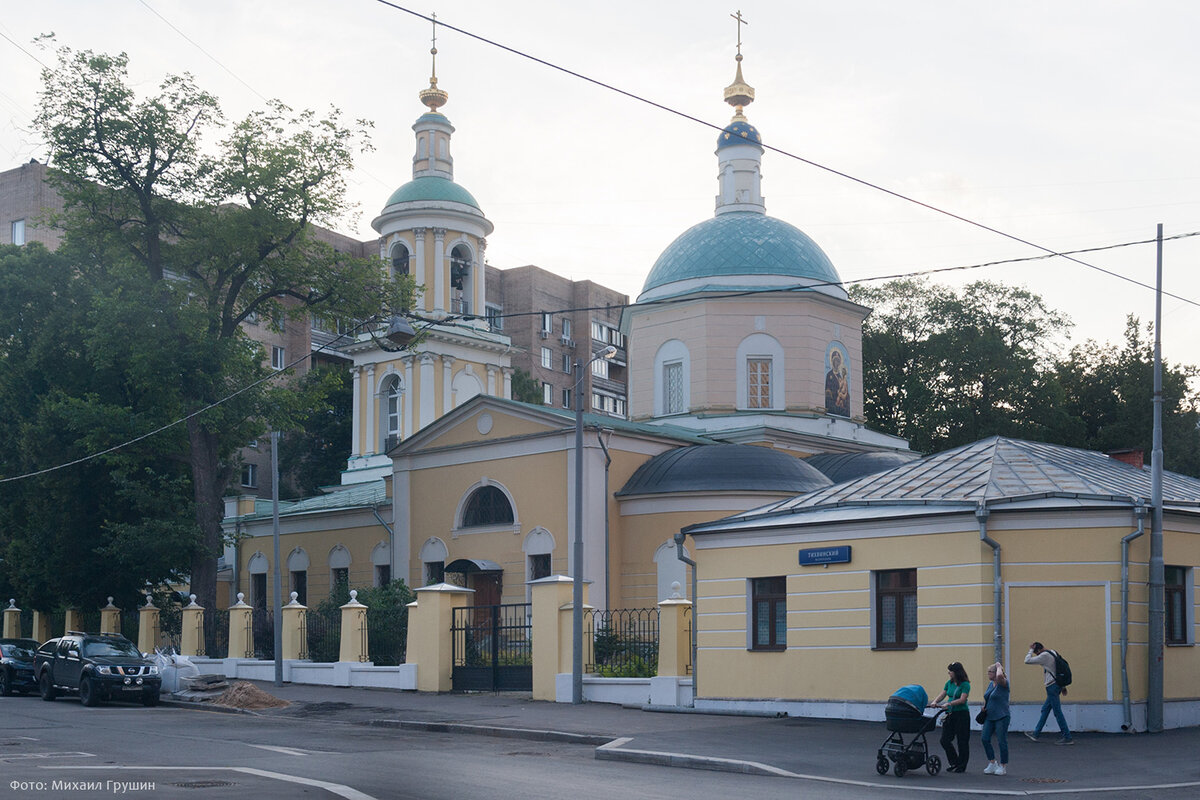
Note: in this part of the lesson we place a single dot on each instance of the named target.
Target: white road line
(23, 756)
(287, 751)
(339, 789)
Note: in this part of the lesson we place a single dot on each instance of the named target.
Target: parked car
(16, 666)
(99, 666)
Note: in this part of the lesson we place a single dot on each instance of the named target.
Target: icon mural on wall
(837, 380)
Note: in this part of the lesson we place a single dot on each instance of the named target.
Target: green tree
(218, 234)
(314, 453)
(525, 388)
(944, 367)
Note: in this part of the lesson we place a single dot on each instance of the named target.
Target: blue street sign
(826, 555)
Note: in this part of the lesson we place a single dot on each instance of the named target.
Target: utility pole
(1154, 687)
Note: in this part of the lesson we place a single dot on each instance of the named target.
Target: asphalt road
(62, 750)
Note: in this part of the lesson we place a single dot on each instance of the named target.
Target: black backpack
(1062, 670)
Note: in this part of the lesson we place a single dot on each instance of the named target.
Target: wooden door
(487, 588)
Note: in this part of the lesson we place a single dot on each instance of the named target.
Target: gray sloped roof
(723, 467)
(988, 471)
(842, 467)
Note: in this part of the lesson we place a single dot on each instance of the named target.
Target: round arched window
(487, 505)
(399, 260)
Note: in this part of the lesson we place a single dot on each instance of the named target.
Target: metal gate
(492, 648)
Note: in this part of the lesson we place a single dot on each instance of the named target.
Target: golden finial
(739, 93)
(433, 97)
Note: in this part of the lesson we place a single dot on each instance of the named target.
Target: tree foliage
(526, 388)
(182, 239)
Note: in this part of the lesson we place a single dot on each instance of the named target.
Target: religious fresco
(837, 380)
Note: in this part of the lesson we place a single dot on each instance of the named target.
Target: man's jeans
(1053, 691)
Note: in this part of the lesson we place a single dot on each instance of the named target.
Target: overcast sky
(1068, 124)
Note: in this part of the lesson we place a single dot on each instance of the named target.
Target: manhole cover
(1044, 780)
(202, 784)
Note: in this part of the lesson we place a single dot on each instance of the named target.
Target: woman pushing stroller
(956, 729)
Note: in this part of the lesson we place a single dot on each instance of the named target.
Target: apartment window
(547, 321)
(896, 609)
(18, 231)
(619, 408)
(383, 574)
(566, 361)
(758, 382)
(566, 398)
(278, 361)
(495, 317)
(539, 566)
(300, 586)
(600, 367)
(547, 358)
(566, 328)
(1178, 604)
(673, 388)
(250, 475)
(547, 394)
(768, 611)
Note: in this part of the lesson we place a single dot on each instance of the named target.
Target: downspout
(600, 434)
(679, 537)
(1139, 511)
(981, 513)
(391, 542)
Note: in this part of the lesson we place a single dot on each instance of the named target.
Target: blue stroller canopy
(914, 694)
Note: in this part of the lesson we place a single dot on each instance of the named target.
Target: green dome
(741, 243)
(432, 188)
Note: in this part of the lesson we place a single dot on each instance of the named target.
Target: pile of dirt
(246, 695)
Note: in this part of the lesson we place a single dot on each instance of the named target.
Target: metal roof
(723, 467)
(990, 471)
(359, 495)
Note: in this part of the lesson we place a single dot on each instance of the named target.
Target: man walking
(1044, 658)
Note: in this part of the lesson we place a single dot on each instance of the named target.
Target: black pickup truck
(100, 666)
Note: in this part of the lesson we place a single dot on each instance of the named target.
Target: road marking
(287, 751)
(15, 756)
(339, 789)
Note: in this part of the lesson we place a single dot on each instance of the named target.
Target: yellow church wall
(503, 426)
(359, 541)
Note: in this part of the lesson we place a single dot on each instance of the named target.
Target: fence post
(110, 618)
(553, 628)
(191, 634)
(12, 620)
(354, 635)
(241, 635)
(293, 629)
(41, 626)
(147, 626)
(70, 621)
(430, 641)
(674, 639)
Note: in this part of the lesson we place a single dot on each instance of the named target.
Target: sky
(1070, 124)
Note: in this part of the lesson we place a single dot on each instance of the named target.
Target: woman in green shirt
(956, 729)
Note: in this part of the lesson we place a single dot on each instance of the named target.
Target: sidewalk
(830, 750)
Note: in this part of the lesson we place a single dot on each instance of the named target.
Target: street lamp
(577, 561)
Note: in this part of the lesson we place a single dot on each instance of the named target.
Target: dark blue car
(16, 666)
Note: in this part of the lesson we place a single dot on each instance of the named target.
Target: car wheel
(46, 688)
(6, 683)
(87, 693)
(150, 698)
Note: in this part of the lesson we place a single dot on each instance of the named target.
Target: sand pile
(246, 695)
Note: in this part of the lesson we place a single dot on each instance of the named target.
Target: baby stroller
(905, 713)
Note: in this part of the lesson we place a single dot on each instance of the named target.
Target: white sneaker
(990, 768)
(1000, 770)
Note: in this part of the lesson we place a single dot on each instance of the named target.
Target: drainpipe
(981, 513)
(1139, 511)
(600, 436)
(679, 537)
(391, 542)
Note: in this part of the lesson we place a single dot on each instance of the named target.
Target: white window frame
(547, 322)
(547, 394)
(566, 398)
(278, 358)
(547, 358)
(18, 231)
(600, 368)
(250, 475)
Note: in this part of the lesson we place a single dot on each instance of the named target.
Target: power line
(861, 181)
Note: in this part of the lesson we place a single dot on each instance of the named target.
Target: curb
(199, 706)
(613, 751)
(529, 734)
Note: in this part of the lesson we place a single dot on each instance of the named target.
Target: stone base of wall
(340, 673)
(667, 691)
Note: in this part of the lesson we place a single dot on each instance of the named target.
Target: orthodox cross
(740, 23)
(433, 50)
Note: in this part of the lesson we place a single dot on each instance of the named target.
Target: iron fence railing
(128, 624)
(89, 620)
(262, 629)
(220, 635)
(387, 639)
(25, 626)
(57, 621)
(621, 643)
(321, 639)
(687, 626)
(170, 627)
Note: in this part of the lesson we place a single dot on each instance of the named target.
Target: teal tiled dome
(431, 188)
(741, 243)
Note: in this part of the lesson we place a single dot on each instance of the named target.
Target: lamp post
(577, 560)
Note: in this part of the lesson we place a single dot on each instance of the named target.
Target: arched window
(487, 506)
(460, 266)
(393, 393)
(399, 257)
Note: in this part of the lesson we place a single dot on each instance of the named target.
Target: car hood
(121, 661)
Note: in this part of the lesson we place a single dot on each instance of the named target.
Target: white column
(419, 267)
(439, 270)
(410, 396)
(491, 380)
(372, 445)
(479, 273)
(428, 394)
(508, 373)
(447, 383)
(356, 423)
